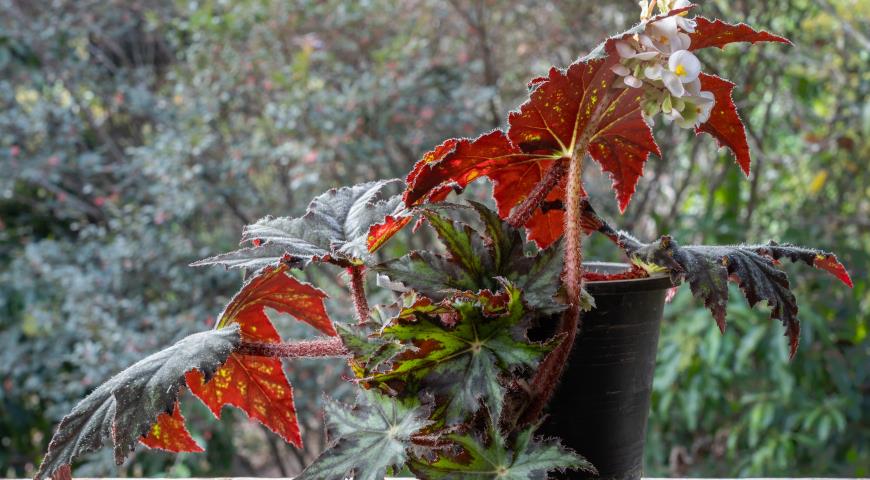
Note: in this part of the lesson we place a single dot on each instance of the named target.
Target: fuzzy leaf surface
(525, 459)
(820, 259)
(258, 385)
(709, 268)
(126, 407)
(368, 438)
(461, 359)
(335, 228)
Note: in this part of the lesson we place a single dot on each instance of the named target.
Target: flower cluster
(659, 61)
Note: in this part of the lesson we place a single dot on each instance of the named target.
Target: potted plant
(450, 385)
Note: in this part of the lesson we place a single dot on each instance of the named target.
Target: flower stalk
(550, 371)
(358, 293)
(521, 215)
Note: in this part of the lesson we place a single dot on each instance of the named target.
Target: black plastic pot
(601, 406)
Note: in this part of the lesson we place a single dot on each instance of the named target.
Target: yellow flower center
(680, 70)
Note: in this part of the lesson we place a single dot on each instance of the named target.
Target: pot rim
(656, 281)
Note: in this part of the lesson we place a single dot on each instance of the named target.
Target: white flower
(632, 81)
(620, 70)
(685, 65)
(683, 22)
(694, 87)
(627, 78)
(672, 83)
(696, 110)
(653, 72)
(708, 101)
(628, 52)
(665, 36)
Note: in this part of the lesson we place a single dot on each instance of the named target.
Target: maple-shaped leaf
(463, 358)
(571, 109)
(709, 268)
(170, 433)
(126, 407)
(368, 438)
(476, 259)
(716, 33)
(578, 107)
(526, 458)
(258, 385)
(334, 229)
(572, 106)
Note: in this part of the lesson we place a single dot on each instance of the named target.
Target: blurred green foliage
(137, 136)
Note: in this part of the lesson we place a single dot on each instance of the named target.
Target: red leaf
(258, 385)
(457, 162)
(709, 33)
(547, 224)
(725, 124)
(830, 264)
(380, 233)
(170, 434)
(559, 110)
(547, 127)
(273, 288)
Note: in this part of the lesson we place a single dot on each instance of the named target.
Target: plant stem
(550, 371)
(321, 348)
(525, 210)
(358, 292)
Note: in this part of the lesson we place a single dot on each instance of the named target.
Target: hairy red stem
(550, 371)
(358, 292)
(321, 348)
(521, 215)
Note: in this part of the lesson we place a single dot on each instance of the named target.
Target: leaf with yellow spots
(568, 110)
(169, 433)
(126, 407)
(258, 385)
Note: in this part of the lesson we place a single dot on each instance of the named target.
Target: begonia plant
(449, 384)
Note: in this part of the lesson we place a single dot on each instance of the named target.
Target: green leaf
(463, 358)
(127, 405)
(334, 229)
(369, 437)
(526, 459)
(475, 261)
(465, 245)
(370, 352)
